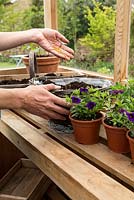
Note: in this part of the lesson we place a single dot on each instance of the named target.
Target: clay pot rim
(42, 56)
(87, 121)
(128, 137)
(113, 127)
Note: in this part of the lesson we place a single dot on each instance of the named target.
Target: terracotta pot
(131, 143)
(116, 138)
(45, 64)
(86, 132)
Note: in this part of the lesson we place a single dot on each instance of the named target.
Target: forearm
(10, 98)
(10, 40)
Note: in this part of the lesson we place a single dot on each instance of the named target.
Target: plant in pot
(46, 62)
(85, 113)
(130, 133)
(114, 121)
(128, 113)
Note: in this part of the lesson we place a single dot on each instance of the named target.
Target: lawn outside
(5, 65)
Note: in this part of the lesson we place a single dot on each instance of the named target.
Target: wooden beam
(122, 37)
(50, 14)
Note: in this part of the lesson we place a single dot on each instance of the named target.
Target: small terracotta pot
(45, 64)
(131, 143)
(86, 132)
(116, 138)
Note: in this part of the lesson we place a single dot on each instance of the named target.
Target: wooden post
(50, 14)
(122, 37)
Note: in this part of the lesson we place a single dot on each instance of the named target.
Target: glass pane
(90, 27)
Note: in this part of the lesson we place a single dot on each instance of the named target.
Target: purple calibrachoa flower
(75, 100)
(114, 92)
(83, 90)
(130, 116)
(90, 105)
(122, 111)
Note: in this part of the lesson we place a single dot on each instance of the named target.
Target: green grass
(4, 65)
(7, 65)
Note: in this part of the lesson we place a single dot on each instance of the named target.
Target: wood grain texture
(76, 177)
(122, 37)
(117, 164)
(24, 181)
(50, 14)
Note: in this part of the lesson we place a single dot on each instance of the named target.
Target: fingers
(51, 86)
(60, 37)
(51, 115)
(62, 51)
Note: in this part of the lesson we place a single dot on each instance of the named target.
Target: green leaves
(100, 36)
(92, 102)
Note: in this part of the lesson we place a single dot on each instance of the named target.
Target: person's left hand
(54, 42)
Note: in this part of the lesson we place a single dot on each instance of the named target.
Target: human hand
(54, 42)
(39, 101)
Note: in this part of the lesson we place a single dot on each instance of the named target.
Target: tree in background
(11, 15)
(71, 17)
(71, 20)
(34, 15)
(131, 50)
(101, 31)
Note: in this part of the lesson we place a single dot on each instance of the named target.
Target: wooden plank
(28, 183)
(40, 190)
(10, 173)
(24, 181)
(9, 155)
(14, 181)
(77, 178)
(8, 197)
(50, 14)
(122, 37)
(20, 70)
(54, 194)
(88, 73)
(117, 164)
(27, 163)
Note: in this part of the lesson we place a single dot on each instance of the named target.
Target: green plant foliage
(72, 22)
(86, 103)
(11, 17)
(101, 32)
(132, 31)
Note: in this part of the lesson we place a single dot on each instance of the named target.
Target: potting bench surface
(83, 172)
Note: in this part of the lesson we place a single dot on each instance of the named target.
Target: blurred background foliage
(88, 24)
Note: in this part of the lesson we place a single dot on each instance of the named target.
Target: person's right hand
(39, 101)
(54, 42)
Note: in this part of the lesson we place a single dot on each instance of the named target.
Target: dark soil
(8, 82)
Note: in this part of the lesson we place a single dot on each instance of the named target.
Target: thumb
(51, 87)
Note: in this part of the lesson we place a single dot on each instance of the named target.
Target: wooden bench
(83, 172)
(24, 181)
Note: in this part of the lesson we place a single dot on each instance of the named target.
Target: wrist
(11, 98)
(35, 35)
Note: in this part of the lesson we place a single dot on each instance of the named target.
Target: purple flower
(75, 100)
(83, 90)
(130, 116)
(115, 92)
(122, 111)
(90, 105)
